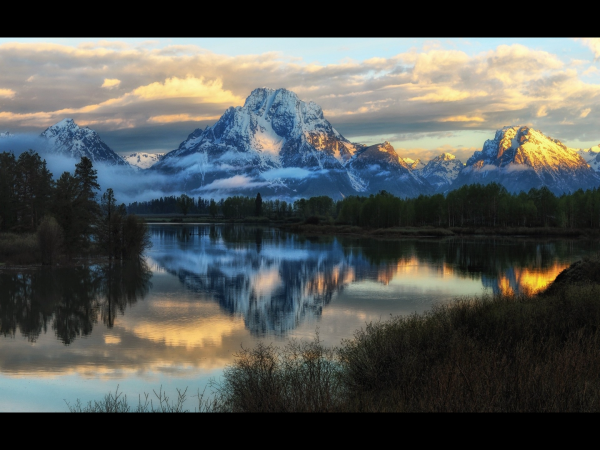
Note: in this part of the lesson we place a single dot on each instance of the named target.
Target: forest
(44, 220)
(476, 205)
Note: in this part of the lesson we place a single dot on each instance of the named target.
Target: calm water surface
(205, 290)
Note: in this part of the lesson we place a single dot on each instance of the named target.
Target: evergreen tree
(65, 212)
(258, 205)
(184, 203)
(87, 208)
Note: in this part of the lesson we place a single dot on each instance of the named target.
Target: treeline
(65, 214)
(476, 205)
(236, 207)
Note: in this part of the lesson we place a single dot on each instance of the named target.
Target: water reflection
(275, 280)
(68, 300)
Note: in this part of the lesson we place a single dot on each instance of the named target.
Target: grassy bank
(510, 353)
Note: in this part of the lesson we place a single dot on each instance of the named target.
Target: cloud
(463, 119)
(590, 70)
(542, 111)
(111, 83)
(287, 172)
(235, 182)
(446, 94)
(585, 112)
(205, 90)
(593, 44)
(168, 118)
(7, 93)
(417, 91)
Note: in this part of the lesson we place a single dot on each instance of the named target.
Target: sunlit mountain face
(521, 158)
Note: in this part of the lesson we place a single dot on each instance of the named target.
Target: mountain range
(284, 147)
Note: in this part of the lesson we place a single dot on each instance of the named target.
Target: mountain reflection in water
(274, 280)
(69, 300)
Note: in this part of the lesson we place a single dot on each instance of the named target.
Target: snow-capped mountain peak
(414, 164)
(143, 160)
(520, 158)
(69, 139)
(442, 170)
(6, 134)
(592, 157)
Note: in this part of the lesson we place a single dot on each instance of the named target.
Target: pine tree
(86, 206)
(258, 202)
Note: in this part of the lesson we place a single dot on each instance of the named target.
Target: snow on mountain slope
(143, 160)
(414, 164)
(275, 141)
(520, 158)
(68, 139)
(6, 134)
(592, 157)
(442, 170)
(379, 167)
(276, 129)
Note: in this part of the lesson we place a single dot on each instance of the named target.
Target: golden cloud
(463, 119)
(170, 118)
(7, 93)
(190, 87)
(111, 83)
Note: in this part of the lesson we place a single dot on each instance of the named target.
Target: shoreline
(393, 232)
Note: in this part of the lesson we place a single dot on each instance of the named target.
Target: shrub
(302, 377)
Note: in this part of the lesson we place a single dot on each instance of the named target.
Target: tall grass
(160, 403)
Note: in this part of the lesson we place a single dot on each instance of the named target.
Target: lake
(206, 290)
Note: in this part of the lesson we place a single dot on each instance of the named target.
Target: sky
(424, 96)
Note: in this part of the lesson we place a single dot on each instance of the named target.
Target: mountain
(6, 134)
(68, 139)
(520, 158)
(592, 157)
(275, 142)
(414, 164)
(441, 171)
(143, 160)
(282, 146)
(379, 167)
